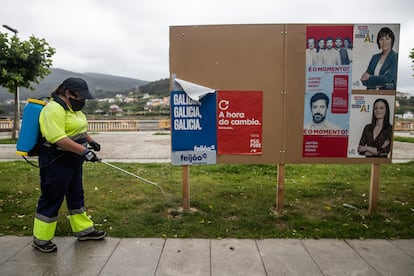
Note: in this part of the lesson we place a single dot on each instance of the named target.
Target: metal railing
(110, 125)
(113, 125)
(135, 125)
(164, 124)
(404, 126)
(6, 125)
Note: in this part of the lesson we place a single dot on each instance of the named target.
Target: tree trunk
(16, 119)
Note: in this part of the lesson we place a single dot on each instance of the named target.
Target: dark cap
(77, 85)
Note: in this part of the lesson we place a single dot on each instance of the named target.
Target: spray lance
(134, 175)
(99, 160)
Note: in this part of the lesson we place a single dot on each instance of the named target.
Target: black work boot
(95, 235)
(47, 247)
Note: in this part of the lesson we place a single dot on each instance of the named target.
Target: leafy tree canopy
(412, 56)
(23, 62)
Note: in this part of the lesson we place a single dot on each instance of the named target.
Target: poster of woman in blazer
(376, 57)
(382, 69)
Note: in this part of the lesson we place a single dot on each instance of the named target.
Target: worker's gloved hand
(90, 156)
(95, 146)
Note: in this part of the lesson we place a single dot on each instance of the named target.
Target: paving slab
(405, 245)
(286, 257)
(236, 257)
(29, 261)
(384, 256)
(336, 257)
(135, 256)
(84, 258)
(185, 257)
(11, 245)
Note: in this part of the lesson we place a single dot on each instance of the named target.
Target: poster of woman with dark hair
(371, 126)
(376, 57)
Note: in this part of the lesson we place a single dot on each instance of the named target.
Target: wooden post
(374, 188)
(186, 187)
(280, 187)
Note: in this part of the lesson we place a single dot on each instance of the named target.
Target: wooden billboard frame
(260, 57)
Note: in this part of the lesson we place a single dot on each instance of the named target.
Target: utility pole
(16, 125)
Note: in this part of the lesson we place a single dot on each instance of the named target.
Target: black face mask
(76, 105)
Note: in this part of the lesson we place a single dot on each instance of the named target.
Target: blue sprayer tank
(30, 129)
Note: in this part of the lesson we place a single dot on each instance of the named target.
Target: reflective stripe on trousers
(44, 228)
(80, 222)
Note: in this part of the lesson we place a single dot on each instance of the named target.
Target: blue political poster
(193, 129)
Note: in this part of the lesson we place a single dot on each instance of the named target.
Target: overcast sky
(131, 37)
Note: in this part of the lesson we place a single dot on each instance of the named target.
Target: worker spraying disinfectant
(30, 138)
(56, 131)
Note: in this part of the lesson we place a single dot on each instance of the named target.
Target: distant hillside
(159, 88)
(97, 83)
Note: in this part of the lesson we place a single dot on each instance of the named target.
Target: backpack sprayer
(30, 129)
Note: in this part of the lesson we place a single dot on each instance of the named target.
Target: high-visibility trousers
(44, 227)
(59, 180)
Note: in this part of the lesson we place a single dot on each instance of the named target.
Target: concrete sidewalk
(156, 256)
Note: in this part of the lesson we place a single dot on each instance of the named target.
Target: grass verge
(8, 141)
(404, 139)
(228, 201)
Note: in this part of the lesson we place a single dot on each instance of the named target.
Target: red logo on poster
(239, 122)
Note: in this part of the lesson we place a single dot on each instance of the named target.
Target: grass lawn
(227, 201)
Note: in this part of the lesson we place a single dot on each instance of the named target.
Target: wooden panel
(264, 57)
(236, 57)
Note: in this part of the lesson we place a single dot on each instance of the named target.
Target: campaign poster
(328, 89)
(193, 129)
(370, 134)
(239, 122)
(375, 56)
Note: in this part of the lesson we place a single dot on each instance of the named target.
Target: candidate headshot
(319, 106)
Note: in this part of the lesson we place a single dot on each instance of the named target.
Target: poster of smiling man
(328, 88)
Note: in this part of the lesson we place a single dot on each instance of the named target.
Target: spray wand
(134, 175)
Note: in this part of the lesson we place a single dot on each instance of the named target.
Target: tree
(23, 63)
(412, 57)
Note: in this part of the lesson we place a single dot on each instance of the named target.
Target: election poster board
(239, 122)
(275, 59)
(193, 129)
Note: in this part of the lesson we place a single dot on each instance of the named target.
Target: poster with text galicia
(239, 122)
(193, 129)
(328, 89)
(370, 134)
